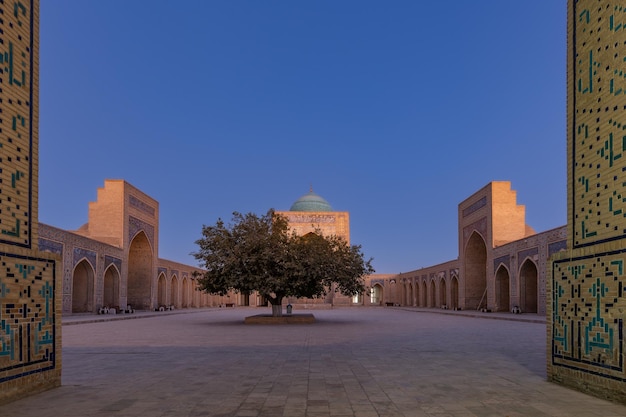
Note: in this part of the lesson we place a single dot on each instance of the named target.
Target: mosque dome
(311, 202)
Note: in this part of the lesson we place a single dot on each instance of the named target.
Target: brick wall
(487, 275)
(30, 288)
(586, 288)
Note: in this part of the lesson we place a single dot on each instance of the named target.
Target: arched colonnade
(436, 291)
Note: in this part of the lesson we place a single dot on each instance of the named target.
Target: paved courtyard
(361, 362)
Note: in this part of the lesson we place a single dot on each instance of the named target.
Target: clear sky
(395, 111)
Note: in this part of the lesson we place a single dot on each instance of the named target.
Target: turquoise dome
(311, 202)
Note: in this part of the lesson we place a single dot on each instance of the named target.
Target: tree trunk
(277, 310)
(277, 304)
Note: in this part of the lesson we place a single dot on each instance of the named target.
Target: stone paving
(358, 362)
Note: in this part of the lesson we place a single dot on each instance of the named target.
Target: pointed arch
(82, 287)
(406, 294)
(244, 299)
(174, 292)
(111, 296)
(185, 297)
(140, 264)
(417, 294)
(432, 294)
(161, 290)
(196, 296)
(475, 272)
(443, 293)
(528, 286)
(376, 296)
(454, 293)
(503, 289)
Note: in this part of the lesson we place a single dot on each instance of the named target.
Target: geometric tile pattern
(502, 260)
(588, 300)
(79, 254)
(16, 117)
(108, 260)
(475, 207)
(557, 247)
(136, 225)
(140, 205)
(598, 94)
(528, 253)
(29, 336)
(587, 288)
(27, 316)
(46, 245)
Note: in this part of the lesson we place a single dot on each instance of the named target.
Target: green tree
(260, 253)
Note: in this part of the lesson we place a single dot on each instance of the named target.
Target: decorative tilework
(598, 158)
(46, 245)
(135, 226)
(140, 205)
(587, 322)
(108, 260)
(505, 260)
(16, 118)
(27, 316)
(557, 247)
(480, 226)
(528, 253)
(586, 347)
(311, 218)
(475, 207)
(80, 253)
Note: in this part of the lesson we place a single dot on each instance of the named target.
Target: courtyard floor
(359, 362)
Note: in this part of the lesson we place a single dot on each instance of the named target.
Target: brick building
(573, 274)
(501, 266)
(112, 261)
(311, 213)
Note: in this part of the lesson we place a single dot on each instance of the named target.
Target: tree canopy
(260, 253)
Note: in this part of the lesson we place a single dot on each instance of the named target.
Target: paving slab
(359, 362)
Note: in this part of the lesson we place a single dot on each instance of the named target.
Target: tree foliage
(260, 253)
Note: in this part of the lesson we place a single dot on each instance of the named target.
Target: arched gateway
(528, 284)
(82, 287)
(140, 271)
(475, 272)
(111, 287)
(502, 289)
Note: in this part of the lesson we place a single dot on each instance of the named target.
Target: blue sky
(394, 111)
